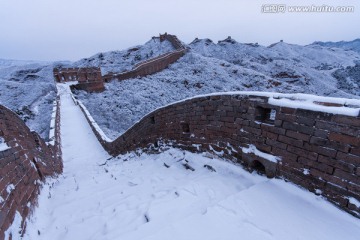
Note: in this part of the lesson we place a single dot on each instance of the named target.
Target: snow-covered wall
(303, 143)
(25, 162)
(89, 78)
(149, 67)
(152, 65)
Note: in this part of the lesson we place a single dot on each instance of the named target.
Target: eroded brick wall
(23, 166)
(89, 79)
(318, 151)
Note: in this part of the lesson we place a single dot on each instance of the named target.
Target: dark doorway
(258, 167)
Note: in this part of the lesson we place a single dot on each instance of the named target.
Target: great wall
(25, 165)
(90, 79)
(317, 150)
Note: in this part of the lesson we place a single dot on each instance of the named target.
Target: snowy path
(137, 197)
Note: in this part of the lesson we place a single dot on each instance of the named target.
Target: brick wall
(152, 65)
(24, 166)
(148, 67)
(89, 79)
(318, 151)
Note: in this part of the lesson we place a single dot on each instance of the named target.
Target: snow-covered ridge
(351, 45)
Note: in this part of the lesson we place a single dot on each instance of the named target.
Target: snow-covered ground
(222, 67)
(140, 196)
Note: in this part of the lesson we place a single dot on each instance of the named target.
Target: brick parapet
(319, 151)
(23, 167)
(151, 66)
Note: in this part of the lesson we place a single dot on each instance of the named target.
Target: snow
(10, 188)
(53, 124)
(120, 61)
(252, 149)
(225, 67)
(309, 104)
(351, 45)
(306, 171)
(15, 229)
(28, 89)
(318, 192)
(221, 153)
(3, 145)
(94, 124)
(354, 201)
(134, 196)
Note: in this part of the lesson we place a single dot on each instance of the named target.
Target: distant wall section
(89, 79)
(152, 65)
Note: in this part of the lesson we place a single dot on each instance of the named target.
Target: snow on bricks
(25, 162)
(316, 150)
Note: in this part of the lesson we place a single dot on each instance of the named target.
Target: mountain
(351, 45)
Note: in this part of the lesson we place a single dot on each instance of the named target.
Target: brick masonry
(24, 166)
(89, 79)
(318, 151)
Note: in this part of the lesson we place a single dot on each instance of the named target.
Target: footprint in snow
(131, 184)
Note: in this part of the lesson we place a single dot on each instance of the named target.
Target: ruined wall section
(89, 79)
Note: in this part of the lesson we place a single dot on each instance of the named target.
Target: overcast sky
(70, 30)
